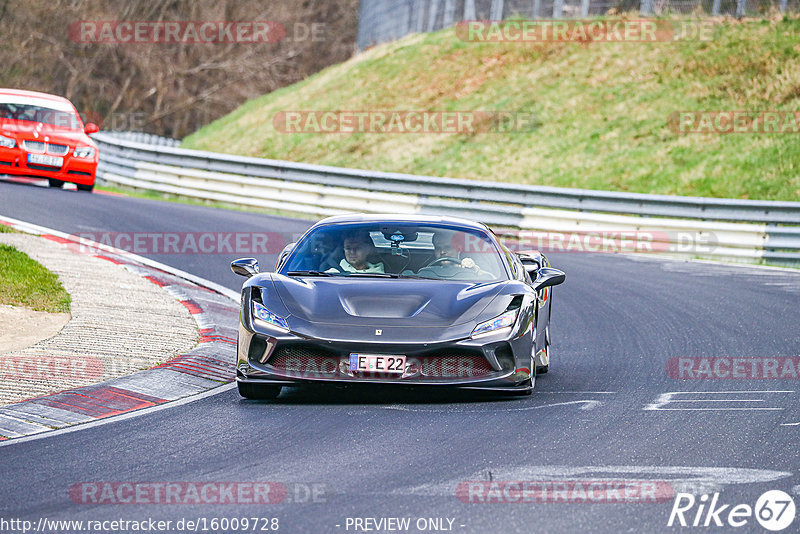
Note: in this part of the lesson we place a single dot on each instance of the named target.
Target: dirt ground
(20, 327)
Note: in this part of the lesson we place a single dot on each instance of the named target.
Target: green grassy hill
(602, 108)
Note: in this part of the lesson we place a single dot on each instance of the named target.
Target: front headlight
(263, 317)
(502, 324)
(8, 142)
(84, 152)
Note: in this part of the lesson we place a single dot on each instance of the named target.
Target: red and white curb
(207, 366)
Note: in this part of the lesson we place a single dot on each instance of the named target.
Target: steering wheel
(445, 259)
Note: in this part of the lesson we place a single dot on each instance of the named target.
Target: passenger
(444, 247)
(358, 247)
(327, 250)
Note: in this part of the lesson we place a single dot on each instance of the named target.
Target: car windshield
(397, 250)
(28, 111)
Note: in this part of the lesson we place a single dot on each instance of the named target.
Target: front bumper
(498, 387)
(287, 359)
(74, 170)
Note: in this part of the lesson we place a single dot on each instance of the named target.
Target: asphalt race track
(608, 409)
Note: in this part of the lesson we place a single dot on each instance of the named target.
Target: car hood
(26, 129)
(384, 302)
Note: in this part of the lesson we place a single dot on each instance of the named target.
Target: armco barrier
(731, 229)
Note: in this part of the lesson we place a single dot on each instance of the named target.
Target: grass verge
(605, 112)
(24, 282)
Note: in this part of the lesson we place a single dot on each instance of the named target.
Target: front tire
(88, 188)
(258, 391)
(52, 182)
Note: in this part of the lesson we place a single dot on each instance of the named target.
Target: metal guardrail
(146, 138)
(740, 230)
(381, 21)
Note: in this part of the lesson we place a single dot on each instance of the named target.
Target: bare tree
(167, 88)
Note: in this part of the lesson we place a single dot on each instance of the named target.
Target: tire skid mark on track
(691, 479)
(206, 367)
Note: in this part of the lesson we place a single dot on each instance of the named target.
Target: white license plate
(377, 363)
(42, 159)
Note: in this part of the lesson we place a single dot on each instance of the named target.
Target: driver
(358, 247)
(444, 249)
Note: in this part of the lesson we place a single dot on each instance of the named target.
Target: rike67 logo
(774, 510)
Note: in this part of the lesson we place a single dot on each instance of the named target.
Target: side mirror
(285, 252)
(245, 267)
(547, 276)
(91, 128)
(532, 266)
(530, 262)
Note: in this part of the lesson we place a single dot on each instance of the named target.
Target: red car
(43, 135)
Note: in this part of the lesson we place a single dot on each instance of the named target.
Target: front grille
(34, 146)
(305, 359)
(40, 147)
(57, 150)
(444, 364)
(80, 173)
(303, 352)
(42, 167)
(452, 364)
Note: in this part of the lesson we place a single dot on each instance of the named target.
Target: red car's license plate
(381, 363)
(41, 159)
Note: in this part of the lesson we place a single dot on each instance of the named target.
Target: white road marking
(587, 405)
(581, 392)
(671, 397)
(790, 424)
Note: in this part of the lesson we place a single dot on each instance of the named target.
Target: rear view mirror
(91, 128)
(245, 267)
(547, 276)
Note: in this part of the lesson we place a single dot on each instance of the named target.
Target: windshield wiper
(418, 277)
(374, 275)
(308, 273)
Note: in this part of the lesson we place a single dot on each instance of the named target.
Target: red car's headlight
(84, 152)
(8, 142)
